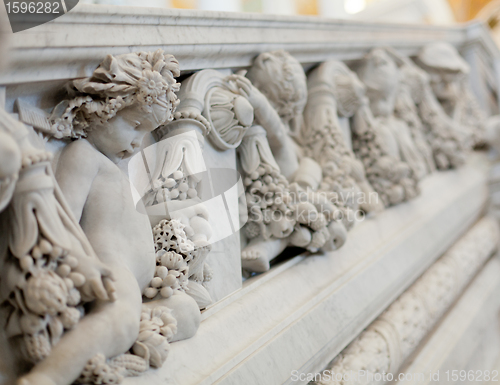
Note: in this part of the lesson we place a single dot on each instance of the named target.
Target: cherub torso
(118, 233)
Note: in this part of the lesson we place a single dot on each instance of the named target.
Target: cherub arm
(77, 168)
(75, 174)
(266, 115)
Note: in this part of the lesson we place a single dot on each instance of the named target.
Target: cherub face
(122, 135)
(446, 84)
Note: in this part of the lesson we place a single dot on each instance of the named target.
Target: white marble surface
(224, 258)
(305, 315)
(468, 337)
(72, 45)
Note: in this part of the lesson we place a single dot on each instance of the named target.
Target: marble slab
(468, 338)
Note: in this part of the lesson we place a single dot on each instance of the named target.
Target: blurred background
(444, 12)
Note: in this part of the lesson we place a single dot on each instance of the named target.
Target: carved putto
(334, 90)
(273, 204)
(281, 84)
(107, 242)
(338, 87)
(62, 278)
(448, 74)
(381, 76)
(433, 131)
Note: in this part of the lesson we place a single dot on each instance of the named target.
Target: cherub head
(281, 78)
(380, 74)
(349, 90)
(446, 69)
(126, 97)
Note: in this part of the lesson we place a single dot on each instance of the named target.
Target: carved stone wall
(392, 337)
(130, 201)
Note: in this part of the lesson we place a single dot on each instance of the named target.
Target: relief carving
(74, 273)
(280, 213)
(385, 345)
(448, 73)
(342, 90)
(100, 271)
(333, 91)
(380, 74)
(433, 131)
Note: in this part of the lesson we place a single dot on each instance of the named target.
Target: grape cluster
(391, 178)
(50, 295)
(270, 198)
(173, 252)
(177, 186)
(266, 192)
(171, 273)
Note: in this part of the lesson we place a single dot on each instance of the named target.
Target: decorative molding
(72, 46)
(53, 223)
(321, 303)
(467, 338)
(394, 335)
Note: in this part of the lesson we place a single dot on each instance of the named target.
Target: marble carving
(100, 272)
(381, 77)
(285, 205)
(73, 273)
(448, 73)
(434, 132)
(385, 345)
(373, 143)
(333, 91)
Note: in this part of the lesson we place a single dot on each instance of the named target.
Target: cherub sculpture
(334, 90)
(391, 178)
(410, 92)
(380, 74)
(227, 108)
(432, 130)
(281, 79)
(56, 271)
(448, 73)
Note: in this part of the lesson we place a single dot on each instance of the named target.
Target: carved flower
(97, 371)
(157, 327)
(170, 235)
(46, 293)
(151, 85)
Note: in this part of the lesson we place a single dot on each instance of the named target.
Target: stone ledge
(468, 337)
(73, 45)
(305, 315)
